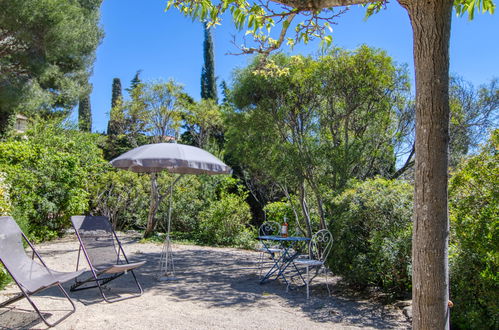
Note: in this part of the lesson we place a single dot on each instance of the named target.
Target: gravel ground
(214, 288)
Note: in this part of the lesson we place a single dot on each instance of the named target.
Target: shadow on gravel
(222, 278)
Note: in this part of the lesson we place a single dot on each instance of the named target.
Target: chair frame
(27, 294)
(267, 228)
(95, 275)
(319, 248)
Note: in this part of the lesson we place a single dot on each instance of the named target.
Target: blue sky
(140, 35)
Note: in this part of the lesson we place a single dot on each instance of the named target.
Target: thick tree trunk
(431, 22)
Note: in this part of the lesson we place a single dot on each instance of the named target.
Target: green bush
(224, 221)
(276, 211)
(474, 245)
(49, 173)
(4, 277)
(192, 195)
(371, 229)
(122, 196)
(5, 209)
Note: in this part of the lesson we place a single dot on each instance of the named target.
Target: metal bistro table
(285, 259)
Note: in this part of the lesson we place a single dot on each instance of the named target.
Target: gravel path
(215, 288)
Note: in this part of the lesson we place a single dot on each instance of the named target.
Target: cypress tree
(208, 80)
(112, 128)
(84, 114)
(116, 92)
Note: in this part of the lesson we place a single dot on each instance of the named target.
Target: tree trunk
(153, 207)
(431, 22)
(304, 208)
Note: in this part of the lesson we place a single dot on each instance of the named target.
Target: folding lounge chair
(104, 254)
(31, 277)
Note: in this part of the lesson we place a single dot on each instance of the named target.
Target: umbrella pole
(167, 266)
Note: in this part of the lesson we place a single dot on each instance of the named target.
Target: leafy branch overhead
(296, 20)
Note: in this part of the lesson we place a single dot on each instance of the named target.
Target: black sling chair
(30, 276)
(104, 254)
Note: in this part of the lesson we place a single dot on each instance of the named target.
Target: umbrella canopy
(173, 157)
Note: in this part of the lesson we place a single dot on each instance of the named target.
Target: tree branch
(317, 5)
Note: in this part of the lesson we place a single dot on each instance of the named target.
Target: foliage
(371, 230)
(281, 210)
(203, 122)
(261, 19)
(224, 221)
(5, 205)
(258, 19)
(277, 211)
(312, 124)
(152, 114)
(49, 173)
(122, 196)
(47, 49)
(474, 111)
(116, 92)
(192, 195)
(474, 215)
(4, 277)
(113, 126)
(135, 82)
(165, 102)
(470, 6)
(208, 80)
(85, 114)
(5, 209)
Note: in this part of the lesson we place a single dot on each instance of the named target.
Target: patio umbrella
(174, 158)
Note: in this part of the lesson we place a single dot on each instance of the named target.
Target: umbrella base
(166, 264)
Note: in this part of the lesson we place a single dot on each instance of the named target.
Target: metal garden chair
(30, 276)
(268, 228)
(319, 248)
(104, 253)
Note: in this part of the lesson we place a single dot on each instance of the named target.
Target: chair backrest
(98, 240)
(269, 228)
(321, 244)
(21, 267)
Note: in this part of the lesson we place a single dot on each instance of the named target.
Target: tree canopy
(47, 48)
(316, 123)
(296, 21)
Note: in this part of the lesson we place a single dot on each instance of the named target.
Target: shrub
(224, 221)
(49, 174)
(474, 256)
(371, 230)
(192, 195)
(5, 209)
(277, 211)
(122, 196)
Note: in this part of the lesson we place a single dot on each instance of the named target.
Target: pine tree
(112, 127)
(85, 114)
(225, 92)
(134, 82)
(208, 80)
